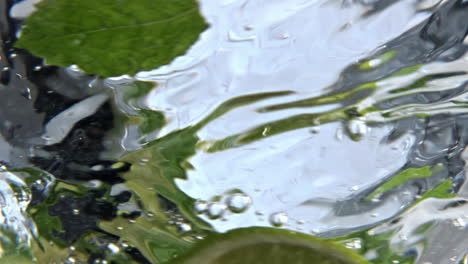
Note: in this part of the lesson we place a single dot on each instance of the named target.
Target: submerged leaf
(404, 176)
(112, 37)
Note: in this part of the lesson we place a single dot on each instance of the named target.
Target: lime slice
(268, 246)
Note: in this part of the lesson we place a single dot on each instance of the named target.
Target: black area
(136, 255)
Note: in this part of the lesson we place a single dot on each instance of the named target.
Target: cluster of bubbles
(234, 203)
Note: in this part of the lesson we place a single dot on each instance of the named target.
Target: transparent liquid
(341, 119)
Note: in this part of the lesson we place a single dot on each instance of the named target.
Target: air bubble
(113, 248)
(357, 128)
(184, 227)
(70, 260)
(238, 203)
(200, 207)
(355, 243)
(278, 219)
(97, 167)
(215, 210)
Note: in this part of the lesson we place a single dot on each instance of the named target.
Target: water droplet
(355, 243)
(124, 245)
(184, 227)
(100, 261)
(357, 127)
(97, 167)
(75, 68)
(239, 202)
(215, 210)
(113, 248)
(149, 214)
(94, 184)
(278, 219)
(200, 207)
(70, 260)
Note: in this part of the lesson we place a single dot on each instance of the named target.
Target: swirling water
(341, 119)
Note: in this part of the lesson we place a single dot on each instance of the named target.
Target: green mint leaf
(112, 37)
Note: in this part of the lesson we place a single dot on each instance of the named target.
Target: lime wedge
(259, 245)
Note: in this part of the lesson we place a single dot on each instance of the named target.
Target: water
(333, 118)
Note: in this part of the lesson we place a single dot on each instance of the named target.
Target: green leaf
(157, 166)
(150, 178)
(442, 191)
(152, 120)
(151, 238)
(112, 37)
(404, 176)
